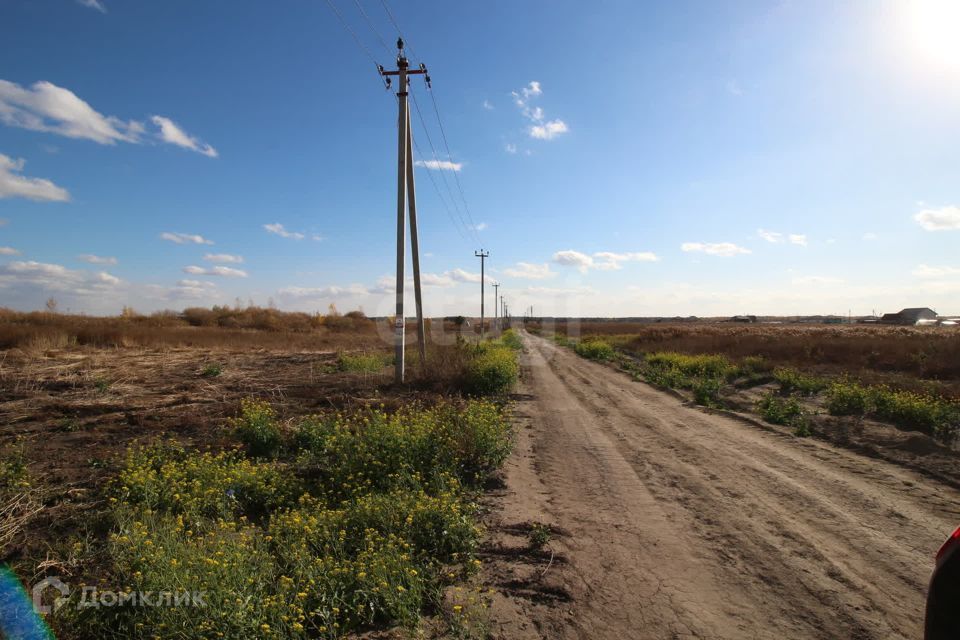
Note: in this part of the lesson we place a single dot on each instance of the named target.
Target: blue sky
(615, 157)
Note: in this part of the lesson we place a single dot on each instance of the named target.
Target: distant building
(743, 319)
(918, 315)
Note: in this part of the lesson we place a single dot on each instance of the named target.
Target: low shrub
(778, 410)
(706, 391)
(539, 535)
(594, 350)
(510, 339)
(845, 398)
(492, 371)
(363, 362)
(905, 409)
(700, 366)
(212, 370)
(792, 381)
(257, 427)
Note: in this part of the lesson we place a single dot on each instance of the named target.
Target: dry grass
(217, 327)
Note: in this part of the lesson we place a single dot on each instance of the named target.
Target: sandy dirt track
(676, 523)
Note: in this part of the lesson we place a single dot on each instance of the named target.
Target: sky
(616, 158)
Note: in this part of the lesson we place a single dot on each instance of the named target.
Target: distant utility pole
(406, 196)
(483, 255)
(496, 288)
(503, 310)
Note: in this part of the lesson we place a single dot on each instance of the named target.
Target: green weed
(257, 427)
(594, 350)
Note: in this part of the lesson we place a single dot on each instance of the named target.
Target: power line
(436, 110)
(436, 158)
(366, 19)
(386, 7)
(353, 33)
(472, 225)
(440, 195)
(466, 223)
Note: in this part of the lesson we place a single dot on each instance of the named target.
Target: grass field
(265, 459)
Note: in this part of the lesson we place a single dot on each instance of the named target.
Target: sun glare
(933, 30)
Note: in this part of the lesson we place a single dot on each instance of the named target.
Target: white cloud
(616, 258)
(172, 133)
(227, 272)
(548, 130)
(868, 236)
(553, 291)
(191, 290)
(925, 271)
(942, 219)
(734, 88)
(55, 277)
(540, 130)
(459, 275)
(317, 237)
(530, 271)
(223, 257)
(532, 89)
(93, 4)
(487, 105)
(723, 249)
(184, 238)
(776, 237)
(770, 236)
(47, 107)
(325, 292)
(816, 280)
(280, 230)
(441, 165)
(571, 258)
(510, 148)
(434, 280)
(13, 185)
(9, 251)
(480, 226)
(92, 259)
(205, 284)
(601, 260)
(106, 278)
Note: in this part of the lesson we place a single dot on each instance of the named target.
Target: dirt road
(675, 523)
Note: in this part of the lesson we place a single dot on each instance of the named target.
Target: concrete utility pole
(496, 287)
(405, 195)
(503, 310)
(483, 255)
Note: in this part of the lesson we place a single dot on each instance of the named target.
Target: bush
(706, 391)
(847, 398)
(257, 427)
(905, 409)
(792, 381)
(777, 410)
(492, 371)
(212, 370)
(594, 350)
(511, 339)
(701, 366)
(363, 362)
